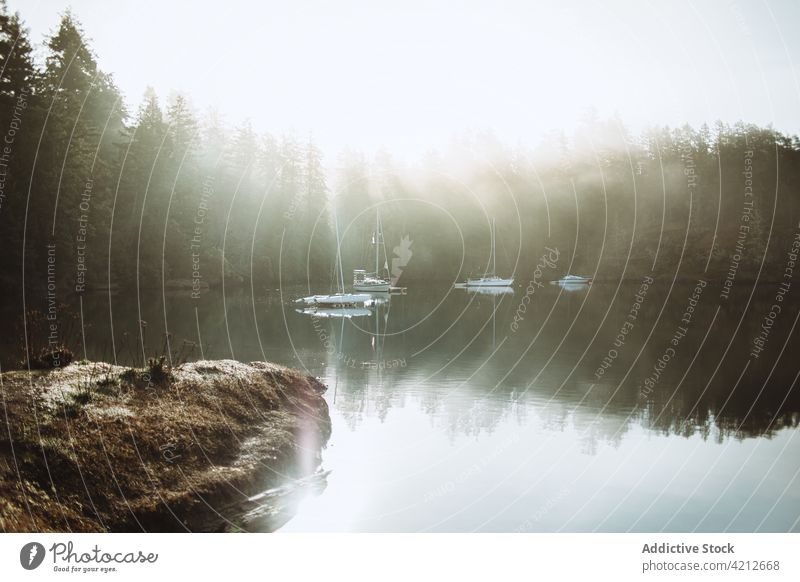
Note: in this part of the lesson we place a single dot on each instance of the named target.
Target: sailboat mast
(377, 238)
(338, 251)
(494, 254)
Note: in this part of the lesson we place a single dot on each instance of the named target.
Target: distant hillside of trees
(94, 195)
(133, 195)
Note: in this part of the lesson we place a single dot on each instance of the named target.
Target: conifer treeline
(92, 194)
(155, 191)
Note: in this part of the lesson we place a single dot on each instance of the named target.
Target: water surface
(455, 411)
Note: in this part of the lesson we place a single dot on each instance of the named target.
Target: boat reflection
(335, 312)
(495, 291)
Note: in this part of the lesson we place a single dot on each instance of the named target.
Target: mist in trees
(96, 195)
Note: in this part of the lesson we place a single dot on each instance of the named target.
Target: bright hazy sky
(408, 74)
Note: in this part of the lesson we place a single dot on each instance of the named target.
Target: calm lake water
(609, 408)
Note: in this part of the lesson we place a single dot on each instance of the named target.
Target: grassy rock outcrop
(97, 447)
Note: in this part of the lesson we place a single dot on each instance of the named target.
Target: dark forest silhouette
(95, 195)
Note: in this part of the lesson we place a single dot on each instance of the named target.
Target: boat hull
(573, 281)
(377, 288)
(493, 282)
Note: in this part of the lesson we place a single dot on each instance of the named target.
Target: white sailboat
(336, 299)
(373, 282)
(340, 299)
(573, 280)
(490, 279)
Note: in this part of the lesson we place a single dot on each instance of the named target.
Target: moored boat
(363, 281)
(573, 280)
(373, 282)
(490, 279)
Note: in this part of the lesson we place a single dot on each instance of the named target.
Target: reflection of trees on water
(673, 420)
(687, 401)
(361, 394)
(550, 384)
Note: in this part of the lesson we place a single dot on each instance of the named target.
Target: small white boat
(340, 299)
(363, 281)
(573, 280)
(490, 279)
(374, 282)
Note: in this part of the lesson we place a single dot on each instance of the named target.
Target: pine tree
(244, 150)
(213, 140)
(145, 155)
(70, 68)
(17, 72)
(70, 137)
(183, 127)
(351, 197)
(17, 105)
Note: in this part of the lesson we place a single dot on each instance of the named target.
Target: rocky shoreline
(97, 447)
